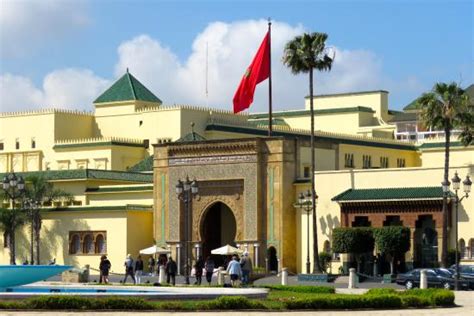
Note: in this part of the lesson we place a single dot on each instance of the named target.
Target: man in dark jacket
(171, 269)
(198, 266)
(104, 268)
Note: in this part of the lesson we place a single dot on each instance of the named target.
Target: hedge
(352, 240)
(302, 288)
(346, 301)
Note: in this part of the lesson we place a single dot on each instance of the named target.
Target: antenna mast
(207, 74)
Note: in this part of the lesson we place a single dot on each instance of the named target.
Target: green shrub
(230, 303)
(352, 240)
(346, 302)
(381, 291)
(415, 301)
(82, 303)
(325, 260)
(302, 288)
(443, 298)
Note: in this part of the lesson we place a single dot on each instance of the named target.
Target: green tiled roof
(191, 137)
(264, 122)
(148, 187)
(144, 165)
(316, 112)
(413, 105)
(125, 89)
(89, 174)
(404, 117)
(383, 194)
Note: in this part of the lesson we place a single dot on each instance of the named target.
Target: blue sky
(49, 49)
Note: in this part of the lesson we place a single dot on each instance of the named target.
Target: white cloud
(64, 88)
(25, 24)
(231, 48)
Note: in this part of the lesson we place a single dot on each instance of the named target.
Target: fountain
(12, 275)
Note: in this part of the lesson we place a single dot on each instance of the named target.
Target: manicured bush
(415, 301)
(232, 302)
(341, 301)
(443, 298)
(325, 260)
(352, 240)
(83, 303)
(302, 288)
(393, 240)
(380, 292)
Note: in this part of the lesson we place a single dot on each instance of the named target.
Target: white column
(178, 258)
(423, 279)
(198, 250)
(246, 247)
(284, 276)
(161, 275)
(352, 278)
(256, 247)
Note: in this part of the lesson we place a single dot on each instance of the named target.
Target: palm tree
(304, 54)
(10, 220)
(39, 192)
(446, 108)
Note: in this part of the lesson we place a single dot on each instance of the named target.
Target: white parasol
(226, 250)
(154, 250)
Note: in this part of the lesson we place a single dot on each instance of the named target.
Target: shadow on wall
(55, 241)
(22, 244)
(328, 224)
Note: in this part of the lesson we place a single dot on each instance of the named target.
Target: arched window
(471, 248)
(100, 245)
(327, 246)
(88, 244)
(75, 244)
(462, 248)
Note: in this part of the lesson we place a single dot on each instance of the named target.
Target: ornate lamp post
(14, 188)
(467, 189)
(186, 191)
(305, 203)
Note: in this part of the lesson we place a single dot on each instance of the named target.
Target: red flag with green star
(258, 71)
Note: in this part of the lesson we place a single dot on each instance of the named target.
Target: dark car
(442, 278)
(466, 272)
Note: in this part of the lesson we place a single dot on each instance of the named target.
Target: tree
(392, 240)
(355, 240)
(446, 108)
(304, 54)
(38, 192)
(10, 220)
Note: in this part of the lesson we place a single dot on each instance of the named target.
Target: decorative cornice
(98, 141)
(127, 207)
(120, 189)
(46, 111)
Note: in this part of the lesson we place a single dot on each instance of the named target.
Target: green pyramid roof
(127, 88)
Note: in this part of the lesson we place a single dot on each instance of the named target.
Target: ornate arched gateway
(246, 181)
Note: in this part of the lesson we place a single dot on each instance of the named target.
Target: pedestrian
(129, 269)
(171, 269)
(139, 269)
(104, 268)
(246, 264)
(151, 265)
(235, 271)
(198, 266)
(209, 266)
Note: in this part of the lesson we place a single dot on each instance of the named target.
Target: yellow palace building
(374, 166)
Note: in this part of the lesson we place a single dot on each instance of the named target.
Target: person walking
(209, 266)
(171, 268)
(246, 264)
(235, 271)
(129, 269)
(151, 265)
(104, 268)
(198, 266)
(139, 269)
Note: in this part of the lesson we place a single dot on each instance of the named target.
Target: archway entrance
(426, 243)
(218, 228)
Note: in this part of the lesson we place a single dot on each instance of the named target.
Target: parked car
(466, 272)
(439, 277)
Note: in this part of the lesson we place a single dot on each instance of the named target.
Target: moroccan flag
(258, 71)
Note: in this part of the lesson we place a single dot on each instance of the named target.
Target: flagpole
(270, 118)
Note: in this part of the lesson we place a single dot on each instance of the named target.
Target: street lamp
(186, 191)
(305, 203)
(467, 189)
(14, 188)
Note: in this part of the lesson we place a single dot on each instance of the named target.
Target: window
(100, 244)
(327, 246)
(146, 143)
(1, 145)
(462, 248)
(349, 160)
(361, 221)
(400, 162)
(33, 143)
(74, 244)
(383, 162)
(306, 172)
(366, 161)
(17, 143)
(87, 242)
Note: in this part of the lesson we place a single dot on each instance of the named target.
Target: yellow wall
(139, 232)
(458, 156)
(411, 157)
